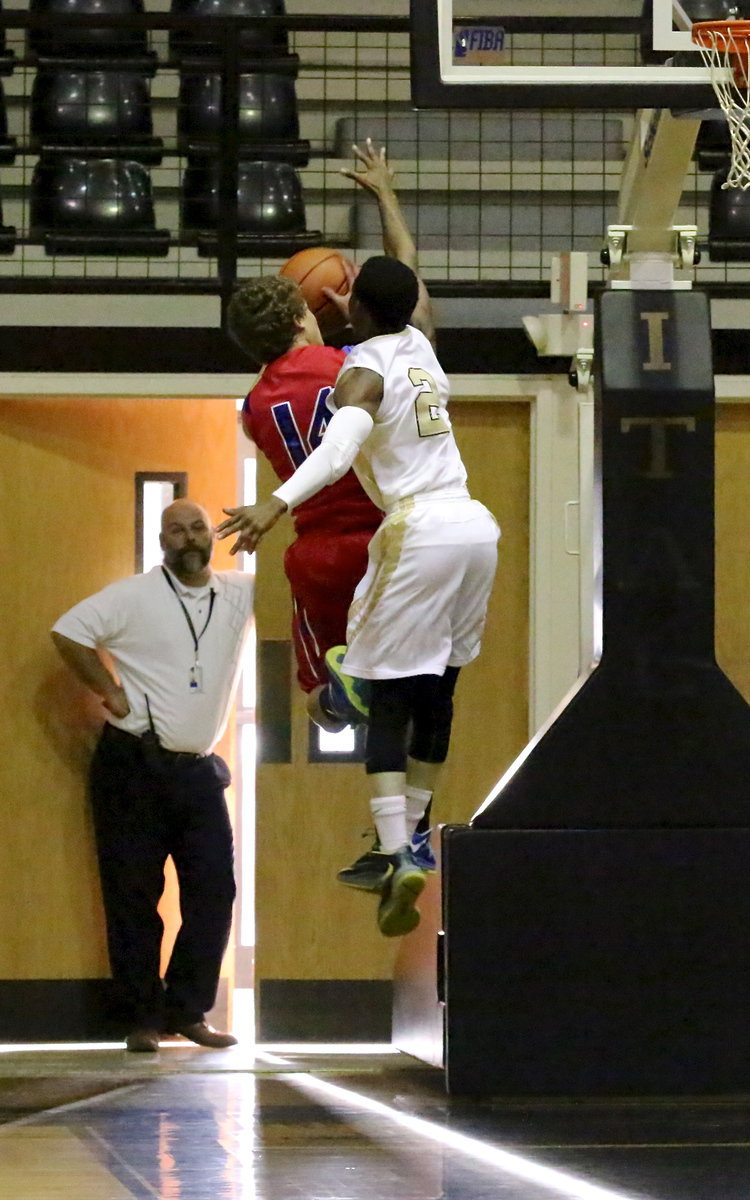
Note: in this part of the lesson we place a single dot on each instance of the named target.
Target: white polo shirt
(140, 623)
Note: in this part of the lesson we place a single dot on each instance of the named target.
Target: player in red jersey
(285, 414)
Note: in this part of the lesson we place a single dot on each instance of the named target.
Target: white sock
(417, 800)
(389, 814)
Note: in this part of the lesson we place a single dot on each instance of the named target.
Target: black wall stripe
(185, 351)
(274, 702)
(325, 1010)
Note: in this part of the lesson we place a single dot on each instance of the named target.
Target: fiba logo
(472, 40)
(478, 43)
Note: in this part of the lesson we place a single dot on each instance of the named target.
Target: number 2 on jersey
(430, 420)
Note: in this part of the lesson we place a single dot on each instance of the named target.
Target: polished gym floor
(340, 1123)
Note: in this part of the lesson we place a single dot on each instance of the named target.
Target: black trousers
(149, 804)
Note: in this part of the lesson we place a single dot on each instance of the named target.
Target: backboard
(496, 54)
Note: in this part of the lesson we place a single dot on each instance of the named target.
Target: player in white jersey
(400, 457)
(418, 614)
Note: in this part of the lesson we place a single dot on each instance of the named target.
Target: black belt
(114, 733)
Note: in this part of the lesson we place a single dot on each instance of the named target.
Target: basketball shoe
(396, 912)
(349, 696)
(422, 851)
(372, 870)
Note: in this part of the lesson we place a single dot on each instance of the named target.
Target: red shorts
(323, 571)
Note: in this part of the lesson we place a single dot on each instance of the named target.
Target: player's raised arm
(377, 177)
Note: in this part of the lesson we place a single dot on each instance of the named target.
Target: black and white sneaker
(370, 872)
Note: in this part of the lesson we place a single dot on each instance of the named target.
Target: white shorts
(422, 603)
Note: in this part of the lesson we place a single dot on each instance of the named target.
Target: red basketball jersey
(285, 414)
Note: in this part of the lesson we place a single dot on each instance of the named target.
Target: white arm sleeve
(346, 431)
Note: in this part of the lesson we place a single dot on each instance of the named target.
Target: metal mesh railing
(489, 195)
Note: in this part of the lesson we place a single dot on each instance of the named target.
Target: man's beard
(190, 559)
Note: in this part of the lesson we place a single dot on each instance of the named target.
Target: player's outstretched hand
(375, 174)
(251, 522)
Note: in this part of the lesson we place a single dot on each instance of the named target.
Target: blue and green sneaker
(396, 912)
(349, 696)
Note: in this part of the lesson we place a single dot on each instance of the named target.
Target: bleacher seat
(713, 145)
(108, 111)
(728, 221)
(94, 206)
(255, 42)
(7, 143)
(268, 124)
(270, 206)
(7, 56)
(90, 41)
(7, 235)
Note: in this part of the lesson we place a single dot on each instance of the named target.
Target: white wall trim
(557, 556)
(499, 388)
(107, 384)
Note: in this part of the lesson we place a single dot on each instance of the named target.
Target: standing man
(175, 637)
(418, 614)
(285, 415)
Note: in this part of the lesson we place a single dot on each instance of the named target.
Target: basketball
(314, 269)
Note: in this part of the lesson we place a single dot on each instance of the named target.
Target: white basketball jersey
(411, 449)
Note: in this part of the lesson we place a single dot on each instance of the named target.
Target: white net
(724, 47)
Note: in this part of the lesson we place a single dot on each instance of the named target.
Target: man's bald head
(183, 510)
(187, 540)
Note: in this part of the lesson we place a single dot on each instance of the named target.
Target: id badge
(196, 678)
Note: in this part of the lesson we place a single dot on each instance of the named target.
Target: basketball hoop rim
(725, 49)
(734, 33)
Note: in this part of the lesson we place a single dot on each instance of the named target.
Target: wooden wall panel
(67, 501)
(67, 504)
(492, 695)
(733, 543)
(310, 816)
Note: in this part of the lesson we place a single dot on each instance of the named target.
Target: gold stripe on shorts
(392, 532)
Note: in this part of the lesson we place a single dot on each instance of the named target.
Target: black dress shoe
(203, 1035)
(143, 1041)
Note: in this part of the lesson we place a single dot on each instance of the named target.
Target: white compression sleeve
(347, 429)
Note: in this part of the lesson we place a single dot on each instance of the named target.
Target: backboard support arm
(646, 244)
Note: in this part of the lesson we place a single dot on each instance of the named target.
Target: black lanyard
(196, 636)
